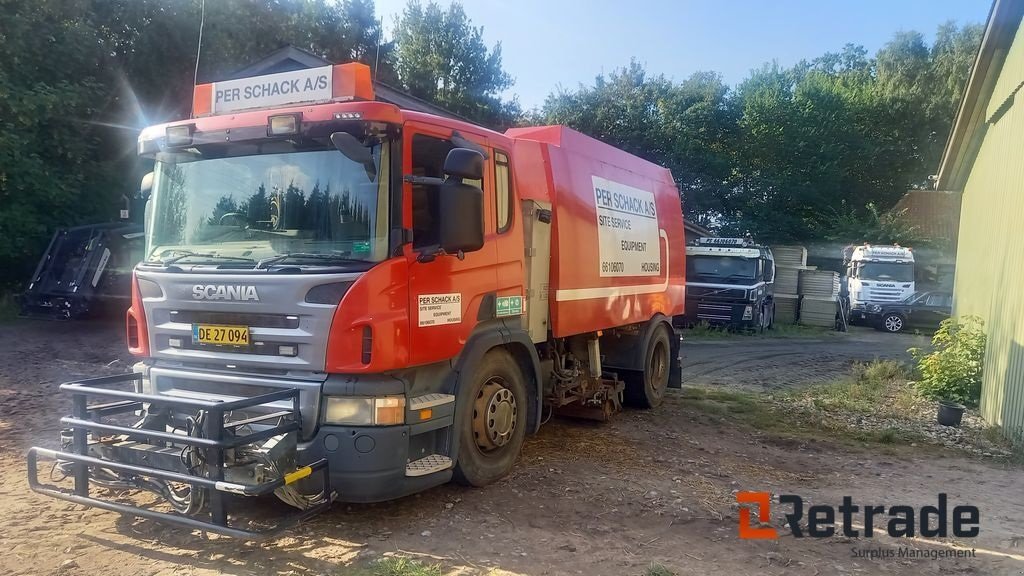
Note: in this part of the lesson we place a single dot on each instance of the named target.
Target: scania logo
(222, 292)
(887, 285)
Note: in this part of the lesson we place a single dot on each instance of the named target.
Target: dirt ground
(595, 499)
(766, 363)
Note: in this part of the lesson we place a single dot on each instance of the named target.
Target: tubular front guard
(214, 442)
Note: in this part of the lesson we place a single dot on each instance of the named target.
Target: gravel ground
(765, 363)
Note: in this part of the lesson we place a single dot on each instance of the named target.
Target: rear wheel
(647, 389)
(492, 429)
(893, 323)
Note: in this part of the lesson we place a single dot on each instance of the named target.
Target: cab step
(429, 401)
(428, 465)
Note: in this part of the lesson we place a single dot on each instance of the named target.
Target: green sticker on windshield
(361, 246)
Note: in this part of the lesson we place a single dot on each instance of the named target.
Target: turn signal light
(390, 411)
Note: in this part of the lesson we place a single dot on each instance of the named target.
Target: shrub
(952, 370)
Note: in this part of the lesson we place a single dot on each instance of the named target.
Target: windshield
(890, 271)
(721, 269)
(319, 204)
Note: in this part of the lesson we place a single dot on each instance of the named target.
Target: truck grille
(235, 318)
(287, 332)
(719, 293)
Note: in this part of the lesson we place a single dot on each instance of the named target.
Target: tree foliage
(80, 78)
(441, 57)
(819, 150)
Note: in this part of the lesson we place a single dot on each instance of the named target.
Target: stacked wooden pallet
(789, 261)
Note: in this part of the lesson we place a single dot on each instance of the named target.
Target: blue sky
(552, 43)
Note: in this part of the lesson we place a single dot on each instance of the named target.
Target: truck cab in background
(730, 282)
(874, 274)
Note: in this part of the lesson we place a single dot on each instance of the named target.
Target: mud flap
(675, 378)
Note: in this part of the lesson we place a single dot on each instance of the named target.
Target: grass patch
(705, 331)
(873, 388)
(8, 306)
(876, 390)
(658, 570)
(399, 566)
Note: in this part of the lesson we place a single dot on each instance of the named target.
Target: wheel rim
(658, 368)
(893, 323)
(494, 415)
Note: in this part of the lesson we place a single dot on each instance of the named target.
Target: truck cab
(730, 282)
(874, 274)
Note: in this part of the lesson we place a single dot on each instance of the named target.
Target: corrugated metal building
(984, 159)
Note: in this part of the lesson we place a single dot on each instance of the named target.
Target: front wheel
(493, 426)
(647, 389)
(893, 323)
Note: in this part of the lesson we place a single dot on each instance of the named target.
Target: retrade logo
(224, 292)
(821, 519)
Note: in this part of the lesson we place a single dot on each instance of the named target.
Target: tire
(646, 389)
(488, 447)
(893, 323)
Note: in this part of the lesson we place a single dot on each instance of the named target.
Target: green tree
(441, 57)
(685, 127)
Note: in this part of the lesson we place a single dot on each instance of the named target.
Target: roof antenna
(376, 59)
(199, 49)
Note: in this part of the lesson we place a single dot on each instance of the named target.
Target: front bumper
(368, 463)
(220, 435)
(722, 313)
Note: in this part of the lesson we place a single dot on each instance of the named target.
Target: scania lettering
(877, 276)
(342, 300)
(730, 282)
(210, 292)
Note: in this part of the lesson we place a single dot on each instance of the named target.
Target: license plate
(220, 334)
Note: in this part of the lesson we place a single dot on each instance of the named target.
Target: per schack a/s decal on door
(440, 309)
(627, 230)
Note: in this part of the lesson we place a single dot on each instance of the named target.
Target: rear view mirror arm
(424, 180)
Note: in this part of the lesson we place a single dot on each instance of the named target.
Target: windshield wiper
(307, 256)
(180, 257)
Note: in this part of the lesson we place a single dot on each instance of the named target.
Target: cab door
(445, 293)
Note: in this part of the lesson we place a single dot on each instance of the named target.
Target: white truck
(877, 275)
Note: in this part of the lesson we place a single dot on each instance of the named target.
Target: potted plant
(950, 413)
(951, 371)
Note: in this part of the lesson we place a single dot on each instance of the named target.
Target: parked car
(921, 310)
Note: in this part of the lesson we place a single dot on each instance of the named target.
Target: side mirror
(464, 163)
(462, 217)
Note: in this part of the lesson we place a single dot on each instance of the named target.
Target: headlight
(383, 411)
(874, 308)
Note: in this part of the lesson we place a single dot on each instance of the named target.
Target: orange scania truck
(344, 300)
